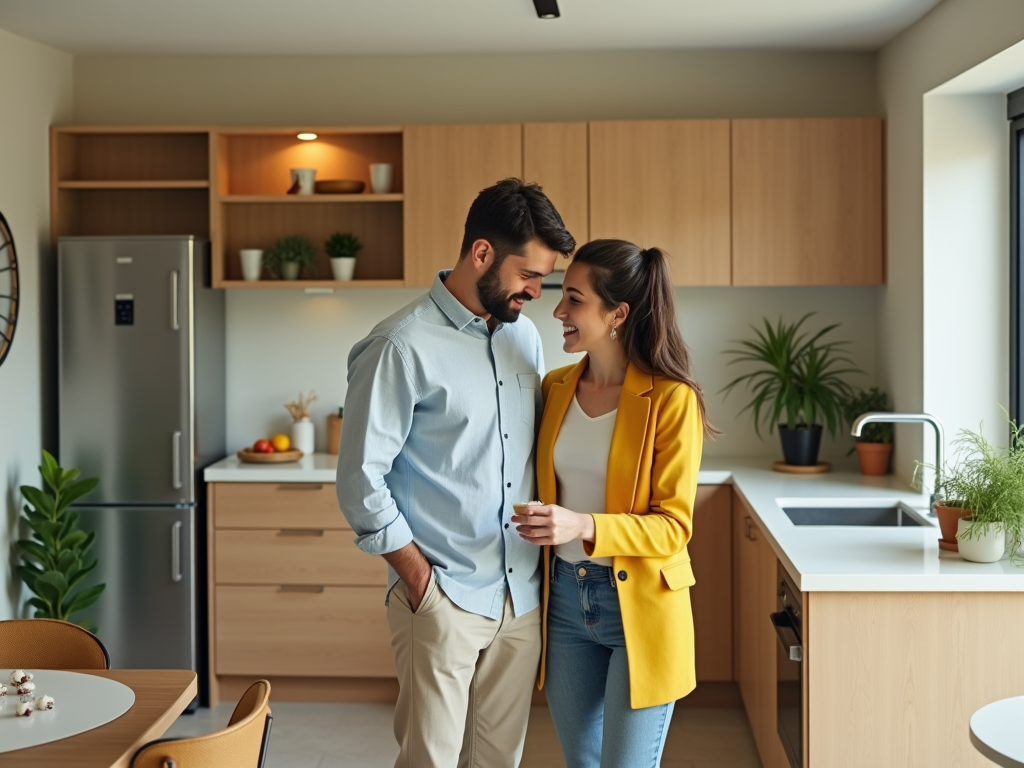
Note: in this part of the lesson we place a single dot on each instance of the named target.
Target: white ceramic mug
(380, 178)
(252, 263)
(306, 178)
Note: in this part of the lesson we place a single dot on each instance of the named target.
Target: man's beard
(492, 296)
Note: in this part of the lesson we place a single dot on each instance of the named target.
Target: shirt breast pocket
(529, 396)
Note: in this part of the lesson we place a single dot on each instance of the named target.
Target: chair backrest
(243, 744)
(49, 644)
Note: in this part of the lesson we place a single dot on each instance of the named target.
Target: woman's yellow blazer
(652, 482)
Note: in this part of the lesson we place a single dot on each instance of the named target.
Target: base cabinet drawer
(295, 556)
(276, 505)
(321, 632)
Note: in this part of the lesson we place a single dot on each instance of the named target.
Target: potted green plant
(797, 384)
(56, 558)
(983, 496)
(874, 446)
(289, 255)
(342, 248)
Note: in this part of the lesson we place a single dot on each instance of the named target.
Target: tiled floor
(359, 736)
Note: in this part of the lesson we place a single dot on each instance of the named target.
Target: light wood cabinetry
(756, 645)
(665, 183)
(129, 181)
(807, 202)
(251, 207)
(446, 166)
(712, 595)
(290, 594)
(555, 155)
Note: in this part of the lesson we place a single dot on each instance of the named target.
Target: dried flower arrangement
(299, 409)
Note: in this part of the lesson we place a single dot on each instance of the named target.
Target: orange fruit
(281, 442)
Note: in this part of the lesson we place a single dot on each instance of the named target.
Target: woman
(618, 452)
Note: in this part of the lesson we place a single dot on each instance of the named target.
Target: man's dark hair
(512, 213)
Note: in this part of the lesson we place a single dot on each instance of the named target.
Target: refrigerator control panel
(124, 309)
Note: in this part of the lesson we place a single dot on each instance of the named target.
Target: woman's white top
(581, 469)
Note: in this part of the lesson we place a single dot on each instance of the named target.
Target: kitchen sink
(855, 513)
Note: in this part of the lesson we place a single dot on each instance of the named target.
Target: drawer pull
(301, 532)
(300, 487)
(748, 524)
(301, 588)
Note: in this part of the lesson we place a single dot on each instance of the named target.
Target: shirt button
(582, 571)
(508, 485)
(501, 383)
(506, 526)
(622, 575)
(510, 570)
(506, 437)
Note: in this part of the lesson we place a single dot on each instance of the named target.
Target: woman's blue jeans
(587, 677)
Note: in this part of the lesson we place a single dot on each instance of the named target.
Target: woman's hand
(552, 524)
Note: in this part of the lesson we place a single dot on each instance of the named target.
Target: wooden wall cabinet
(712, 596)
(665, 183)
(290, 596)
(446, 166)
(129, 181)
(808, 201)
(556, 156)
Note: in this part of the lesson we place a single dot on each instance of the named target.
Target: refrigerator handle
(176, 460)
(174, 300)
(176, 551)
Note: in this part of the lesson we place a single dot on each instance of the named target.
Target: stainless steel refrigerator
(142, 408)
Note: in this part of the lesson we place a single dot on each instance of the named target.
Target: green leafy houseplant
(865, 401)
(293, 249)
(799, 376)
(56, 558)
(343, 245)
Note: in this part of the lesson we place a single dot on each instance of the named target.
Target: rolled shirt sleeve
(378, 416)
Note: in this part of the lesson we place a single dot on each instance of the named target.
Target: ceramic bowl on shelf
(339, 187)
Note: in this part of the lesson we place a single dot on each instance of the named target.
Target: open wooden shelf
(307, 199)
(274, 283)
(144, 184)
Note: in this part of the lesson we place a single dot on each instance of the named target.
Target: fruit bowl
(278, 457)
(339, 187)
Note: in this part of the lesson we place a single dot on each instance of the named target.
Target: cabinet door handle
(300, 487)
(174, 301)
(300, 532)
(176, 551)
(750, 530)
(176, 461)
(315, 588)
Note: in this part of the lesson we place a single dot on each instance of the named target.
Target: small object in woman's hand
(20, 676)
(523, 507)
(26, 688)
(44, 703)
(24, 709)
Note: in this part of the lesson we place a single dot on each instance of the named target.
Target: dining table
(160, 696)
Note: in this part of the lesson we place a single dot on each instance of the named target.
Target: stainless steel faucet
(880, 416)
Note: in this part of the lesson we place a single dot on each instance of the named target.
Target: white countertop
(819, 558)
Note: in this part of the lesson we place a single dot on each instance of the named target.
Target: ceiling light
(547, 9)
(306, 136)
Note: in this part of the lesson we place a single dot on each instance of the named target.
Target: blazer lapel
(628, 437)
(555, 407)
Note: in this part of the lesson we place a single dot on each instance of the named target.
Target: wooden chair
(243, 744)
(49, 644)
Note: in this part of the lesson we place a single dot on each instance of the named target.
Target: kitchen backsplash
(284, 342)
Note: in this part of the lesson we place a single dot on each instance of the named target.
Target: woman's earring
(614, 334)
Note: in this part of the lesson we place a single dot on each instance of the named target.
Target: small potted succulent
(797, 384)
(342, 248)
(874, 446)
(289, 255)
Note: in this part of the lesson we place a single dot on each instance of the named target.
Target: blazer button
(622, 575)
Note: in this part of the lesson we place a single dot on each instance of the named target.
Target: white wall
(36, 83)
(284, 342)
(954, 37)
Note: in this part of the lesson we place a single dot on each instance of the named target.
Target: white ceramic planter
(302, 436)
(989, 547)
(290, 270)
(343, 269)
(252, 263)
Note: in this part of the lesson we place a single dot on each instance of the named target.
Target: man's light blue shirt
(438, 444)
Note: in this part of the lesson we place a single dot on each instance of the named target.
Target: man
(437, 446)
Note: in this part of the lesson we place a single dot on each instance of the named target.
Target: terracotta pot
(949, 517)
(333, 433)
(874, 458)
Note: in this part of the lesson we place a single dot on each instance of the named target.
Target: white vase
(302, 436)
(306, 179)
(380, 178)
(252, 263)
(343, 269)
(984, 546)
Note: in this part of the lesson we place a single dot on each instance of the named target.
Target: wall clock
(8, 289)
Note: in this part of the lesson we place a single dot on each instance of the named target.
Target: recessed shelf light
(547, 9)
(306, 136)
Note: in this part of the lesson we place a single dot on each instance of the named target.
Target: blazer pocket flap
(678, 575)
(529, 380)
